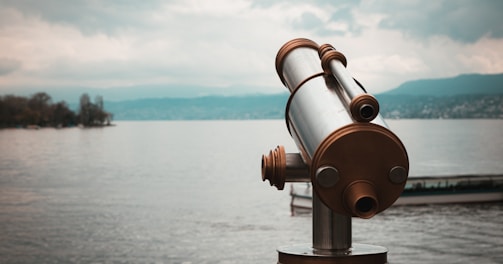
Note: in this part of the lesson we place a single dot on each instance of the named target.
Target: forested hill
(467, 84)
(465, 96)
(201, 108)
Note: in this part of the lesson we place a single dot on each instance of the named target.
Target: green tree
(12, 111)
(85, 110)
(62, 115)
(93, 114)
(39, 109)
(17, 111)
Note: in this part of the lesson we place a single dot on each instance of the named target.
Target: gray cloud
(88, 16)
(8, 65)
(231, 43)
(343, 12)
(336, 3)
(462, 20)
(309, 21)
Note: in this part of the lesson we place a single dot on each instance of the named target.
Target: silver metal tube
(331, 231)
(296, 169)
(344, 78)
(299, 65)
(314, 112)
(297, 61)
(363, 107)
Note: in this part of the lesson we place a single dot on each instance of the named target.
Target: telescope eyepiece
(365, 205)
(364, 108)
(274, 167)
(361, 199)
(367, 111)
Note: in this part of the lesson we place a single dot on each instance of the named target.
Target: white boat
(424, 190)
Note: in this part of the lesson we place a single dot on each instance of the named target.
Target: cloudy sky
(233, 43)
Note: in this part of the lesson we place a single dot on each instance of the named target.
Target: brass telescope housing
(357, 166)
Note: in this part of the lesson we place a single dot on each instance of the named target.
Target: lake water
(191, 192)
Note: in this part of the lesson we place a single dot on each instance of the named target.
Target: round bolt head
(398, 174)
(327, 176)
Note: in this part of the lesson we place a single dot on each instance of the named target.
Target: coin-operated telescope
(356, 165)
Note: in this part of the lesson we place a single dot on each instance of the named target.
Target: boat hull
(480, 197)
(425, 190)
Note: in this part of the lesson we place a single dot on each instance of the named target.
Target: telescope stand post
(331, 231)
(331, 242)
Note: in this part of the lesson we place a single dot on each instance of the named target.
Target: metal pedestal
(331, 242)
(359, 253)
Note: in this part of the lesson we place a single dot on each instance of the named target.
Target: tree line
(38, 110)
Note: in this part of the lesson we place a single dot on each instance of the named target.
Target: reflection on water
(190, 192)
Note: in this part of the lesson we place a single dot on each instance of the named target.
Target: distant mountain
(72, 94)
(445, 107)
(464, 96)
(487, 84)
(201, 108)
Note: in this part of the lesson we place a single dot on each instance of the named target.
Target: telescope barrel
(301, 64)
(363, 107)
(349, 155)
(314, 111)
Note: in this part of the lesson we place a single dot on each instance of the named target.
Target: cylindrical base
(360, 253)
(331, 231)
